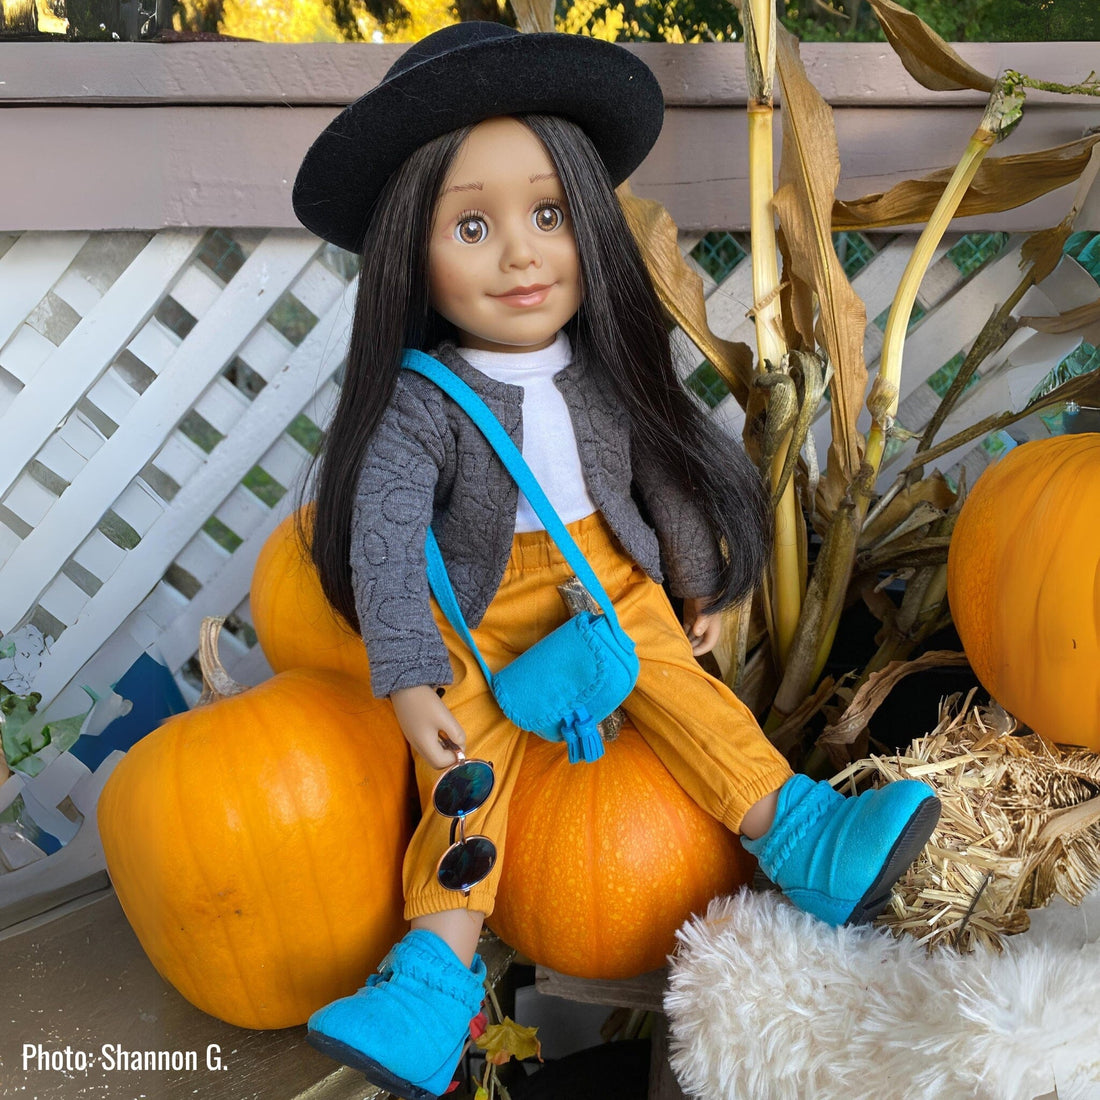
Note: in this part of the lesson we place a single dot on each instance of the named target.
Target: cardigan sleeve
(689, 553)
(392, 512)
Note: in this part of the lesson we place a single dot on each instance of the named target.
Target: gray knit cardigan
(428, 464)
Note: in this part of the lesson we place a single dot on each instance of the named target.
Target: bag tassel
(582, 735)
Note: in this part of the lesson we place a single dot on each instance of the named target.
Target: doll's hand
(702, 629)
(423, 716)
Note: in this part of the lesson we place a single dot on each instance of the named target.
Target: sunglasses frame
(459, 840)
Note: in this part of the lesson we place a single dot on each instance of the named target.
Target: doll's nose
(519, 251)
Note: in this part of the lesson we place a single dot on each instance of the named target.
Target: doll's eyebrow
(477, 185)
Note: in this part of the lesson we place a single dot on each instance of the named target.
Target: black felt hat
(462, 75)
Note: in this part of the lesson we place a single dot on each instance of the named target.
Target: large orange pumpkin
(1023, 580)
(295, 624)
(255, 844)
(606, 860)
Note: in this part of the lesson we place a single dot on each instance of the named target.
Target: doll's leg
(500, 743)
(459, 929)
(835, 857)
(406, 1029)
(759, 816)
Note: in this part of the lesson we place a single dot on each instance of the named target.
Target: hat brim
(601, 87)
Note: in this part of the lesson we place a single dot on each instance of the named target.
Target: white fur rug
(766, 1003)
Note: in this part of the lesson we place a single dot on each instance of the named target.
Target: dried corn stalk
(1020, 823)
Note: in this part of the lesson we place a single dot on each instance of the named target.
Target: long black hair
(619, 329)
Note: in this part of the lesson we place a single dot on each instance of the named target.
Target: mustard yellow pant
(700, 730)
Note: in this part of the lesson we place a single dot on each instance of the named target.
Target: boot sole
(905, 850)
(369, 1068)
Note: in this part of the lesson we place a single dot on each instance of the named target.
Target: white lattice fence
(160, 393)
(952, 307)
(144, 444)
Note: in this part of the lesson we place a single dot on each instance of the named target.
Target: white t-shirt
(549, 443)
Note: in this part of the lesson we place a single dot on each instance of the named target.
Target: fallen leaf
(509, 1040)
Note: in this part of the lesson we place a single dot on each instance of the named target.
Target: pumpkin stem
(216, 682)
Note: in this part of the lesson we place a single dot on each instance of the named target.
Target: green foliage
(842, 20)
(650, 20)
(639, 20)
(23, 734)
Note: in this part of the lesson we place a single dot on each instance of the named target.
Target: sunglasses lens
(463, 788)
(465, 864)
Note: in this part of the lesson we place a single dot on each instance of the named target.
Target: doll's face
(502, 261)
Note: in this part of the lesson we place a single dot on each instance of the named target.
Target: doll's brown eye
(470, 230)
(548, 218)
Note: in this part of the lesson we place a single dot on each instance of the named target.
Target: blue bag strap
(516, 465)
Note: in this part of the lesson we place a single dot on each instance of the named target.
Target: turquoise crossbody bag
(572, 679)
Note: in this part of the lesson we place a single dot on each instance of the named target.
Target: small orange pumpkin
(256, 843)
(605, 861)
(295, 624)
(1023, 581)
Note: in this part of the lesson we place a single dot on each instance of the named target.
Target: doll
(476, 180)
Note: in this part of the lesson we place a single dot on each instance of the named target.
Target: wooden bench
(83, 1004)
(646, 993)
(81, 983)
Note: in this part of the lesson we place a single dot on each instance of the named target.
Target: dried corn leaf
(926, 56)
(1001, 183)
(1042, 251)
(1084, 319)
(917, 520)
(876, 601)
(932, 490)
(681, 290)
(808, 175)
(1084, 389)
(796, 302)
(790, 731)
(837, 736)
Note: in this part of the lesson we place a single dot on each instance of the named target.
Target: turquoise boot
(838, 857)
(406, 1029)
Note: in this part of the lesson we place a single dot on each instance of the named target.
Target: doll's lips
(523, 296)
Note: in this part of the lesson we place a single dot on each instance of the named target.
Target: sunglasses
(459, 791)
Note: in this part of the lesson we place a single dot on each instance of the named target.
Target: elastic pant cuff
(424, 903)
(752, 790)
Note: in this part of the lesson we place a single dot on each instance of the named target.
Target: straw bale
(1020, 824)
